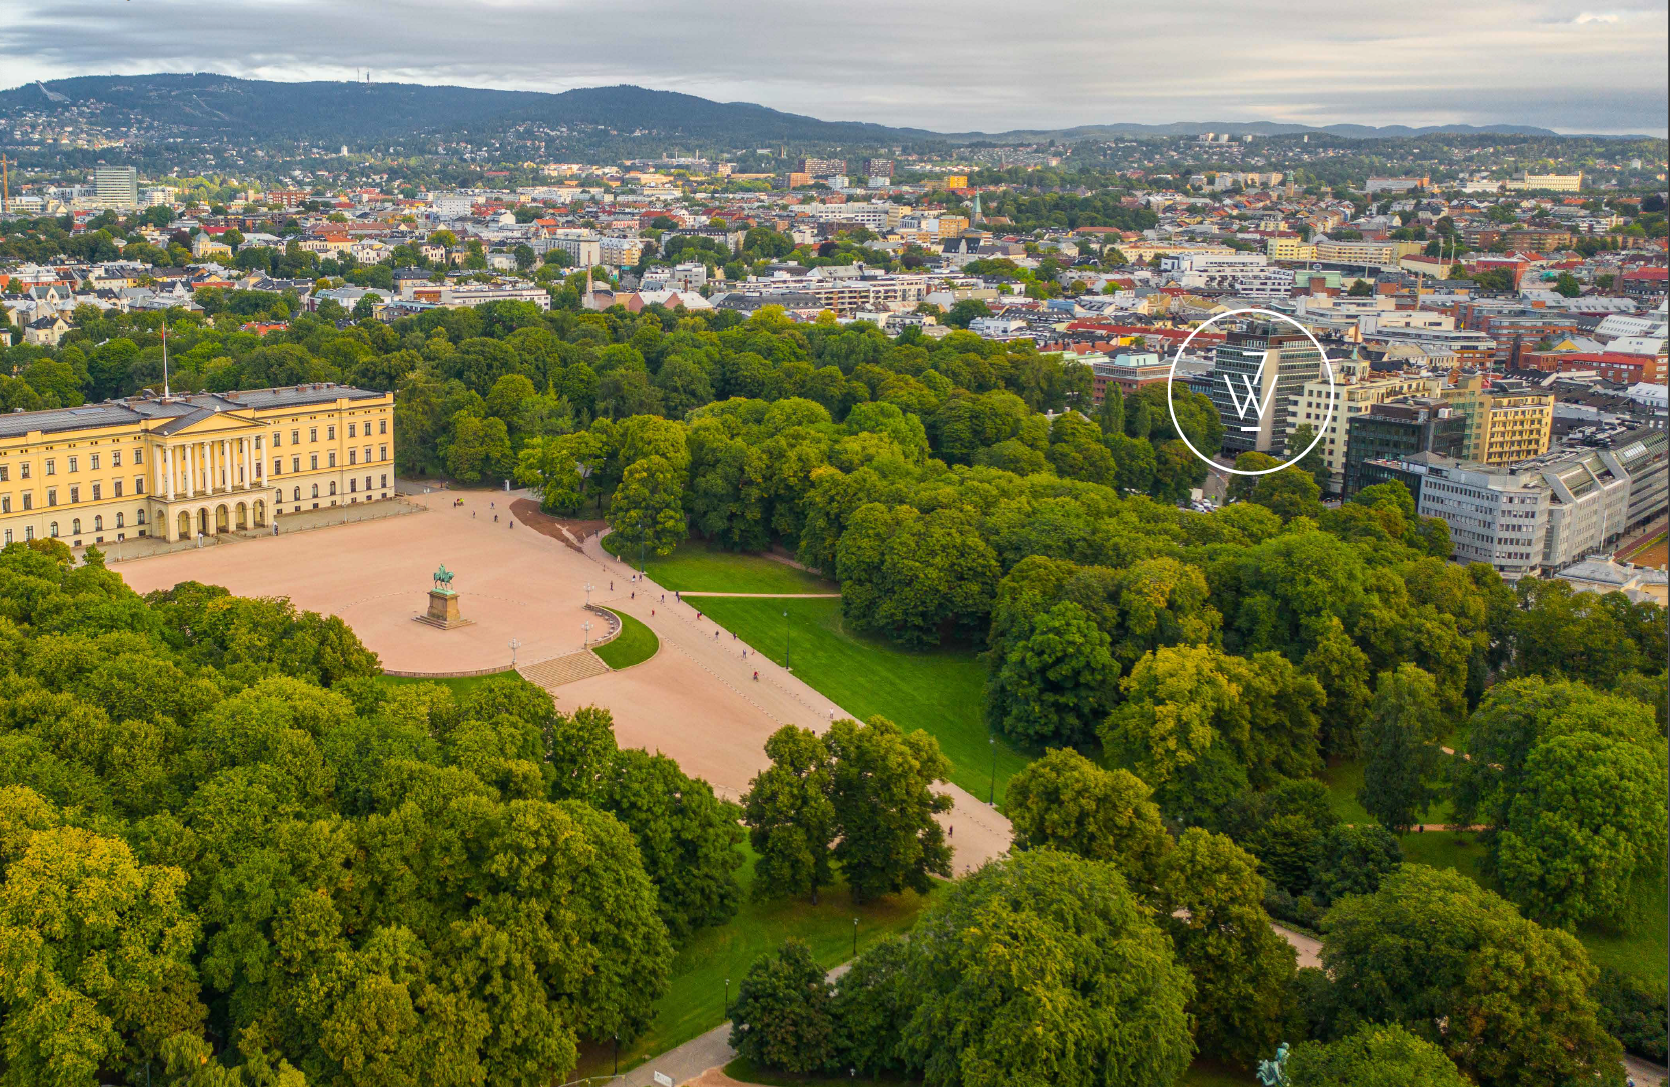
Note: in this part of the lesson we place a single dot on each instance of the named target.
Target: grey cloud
(978, 64)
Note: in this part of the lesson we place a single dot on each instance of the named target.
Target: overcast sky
(940, 64)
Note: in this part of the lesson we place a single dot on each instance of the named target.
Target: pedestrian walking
(634, 596)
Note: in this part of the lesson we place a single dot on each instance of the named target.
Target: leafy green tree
(1066, 801)
(961, 313)
(881, 789)
(1110, 414)
(647, 509)
(1506, 999)
(1054, 685)
(1211, 903)
(1375, 1056)
(1585, 828)
(1352, 861)
(1043, 969)
(790, 817)
(781, 1018)
(96, 946)
(1289, 493)
(687, 837)
(1402, 748)
(479, 449)
(1343, 671)
(868, 1009)
(917, 577)
(1306, 458)
(1177, 702)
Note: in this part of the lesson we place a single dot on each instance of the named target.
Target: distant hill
(206, 106)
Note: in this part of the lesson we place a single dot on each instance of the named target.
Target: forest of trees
(1217, 660)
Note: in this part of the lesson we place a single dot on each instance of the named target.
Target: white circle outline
(1171, 377)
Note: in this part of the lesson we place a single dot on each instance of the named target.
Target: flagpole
(165, 392)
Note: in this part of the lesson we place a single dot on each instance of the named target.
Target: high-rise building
(1258, 373)
(878, 167)
(820, 168)
(117, 186)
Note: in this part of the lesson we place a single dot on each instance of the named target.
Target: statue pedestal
(443, 611)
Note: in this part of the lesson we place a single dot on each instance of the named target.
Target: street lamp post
(515, 644)
(787, 667)
(991, 790)
(855, 937)
(588, 594)
(586, 626)
(727, 1008)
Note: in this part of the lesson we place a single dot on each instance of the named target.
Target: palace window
(330, 433)
(5, 473)
(75, 495)
(94, 462)
(138, 456)
(51, 467)
(98, 524)
(278, 466)
(351, 429)
(116, 458)
(74, 465)
(332, 456)
(315, 490)
(52, 496)
(75, 527)
(23, 472)
(351, 454)
(52, 529)
(5, 503)
(312, 433)
(382, 426)
(313, 460)
(98, 491)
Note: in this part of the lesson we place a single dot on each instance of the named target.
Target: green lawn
(1343, 782)
(636, 643)
(1202, 1074)
(695, 1003)
(939, 691)
(461, 685)
(699, 567)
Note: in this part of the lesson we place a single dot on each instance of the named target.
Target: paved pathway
(979, 832)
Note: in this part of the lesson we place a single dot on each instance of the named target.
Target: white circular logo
(1252, 400)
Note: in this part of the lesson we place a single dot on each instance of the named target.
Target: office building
(1544, 515)
(182, 466)
(1398, 429)
(1355, 388)
(1507, 421)
(1258, 373)
(117, 186)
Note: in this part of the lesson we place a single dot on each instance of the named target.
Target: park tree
(1067, 802)
(1043, 969)
(647, 509)
(1378, 1055)
(687, 837)
(1210, 902)
(1458, 966)
(479, 449)
(917, 578)
(96, 945)
(1399, 779)
(881, 790)
(1585, 829)
(790, 817)
(781, 1018)
(1343, 670)
(1110, 414)
(1056, 683)
(1352, 860)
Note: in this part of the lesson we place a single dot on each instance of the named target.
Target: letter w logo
(1251, 385)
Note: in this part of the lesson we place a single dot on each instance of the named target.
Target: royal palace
(179, 467)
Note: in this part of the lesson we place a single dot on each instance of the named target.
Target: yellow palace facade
(179, 467)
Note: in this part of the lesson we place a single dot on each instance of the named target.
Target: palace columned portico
(207, 484)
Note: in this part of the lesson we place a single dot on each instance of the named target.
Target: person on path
(611, 586)
(634, 596)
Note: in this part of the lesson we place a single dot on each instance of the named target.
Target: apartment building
(1517, 422)
(1353, 392)
(1289, 248)
(117, 186)
(1547, 182)
(183, 466)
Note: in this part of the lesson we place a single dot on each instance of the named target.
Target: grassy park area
(938, 691)
(695, 1003)
(637, 643)
(698, 567)
(461, 686)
